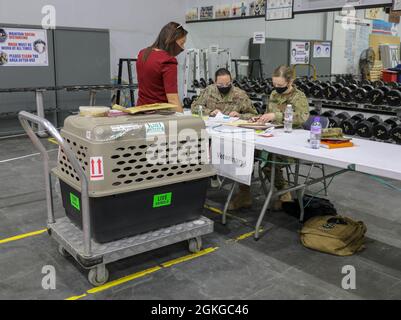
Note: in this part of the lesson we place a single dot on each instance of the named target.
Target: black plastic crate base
(124, 215)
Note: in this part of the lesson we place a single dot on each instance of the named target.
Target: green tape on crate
(162, 200)
(75, 201)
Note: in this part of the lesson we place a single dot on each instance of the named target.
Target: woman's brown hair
(167, 38)
(284, 72)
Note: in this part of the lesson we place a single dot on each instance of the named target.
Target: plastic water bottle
(288, 118)
(315, 133)
(201, 112)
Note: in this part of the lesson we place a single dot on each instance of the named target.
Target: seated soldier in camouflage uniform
(284, 93)
(225, 98)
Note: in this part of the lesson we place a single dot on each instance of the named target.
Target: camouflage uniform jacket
(236, 100)
(278, 103)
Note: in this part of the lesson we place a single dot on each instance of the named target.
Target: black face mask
(280, 90)
(224, 90)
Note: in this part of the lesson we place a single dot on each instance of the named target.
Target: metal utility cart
(78, 241)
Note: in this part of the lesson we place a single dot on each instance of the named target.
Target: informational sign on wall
(322, 50)
(23, 47)
(279, 10)
(259, 37)
(300, 52)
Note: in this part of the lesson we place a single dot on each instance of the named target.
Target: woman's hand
(268, 117)
(234, 114)
(215, 112)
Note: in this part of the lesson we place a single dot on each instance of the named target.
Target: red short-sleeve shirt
(157, 77)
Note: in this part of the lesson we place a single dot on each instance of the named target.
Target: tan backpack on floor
(338, 235)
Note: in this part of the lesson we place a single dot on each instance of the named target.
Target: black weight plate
(385, 89)
(349, 127)
(382, 131)
(187, 103)
(345, 94)
(344, 116)
(358, 117)
(317, 91)
(329, 114)
(396, 134)
(368, 87)
(393, 85)
(338, 85)
(378, 83)
(324, 85)
(305, 89)
(375, 119)
(364, 129)
(353, 87)
(360, 95)
(330, 93)
(342, 81)
(376, 96)
(366, 82)
(335, 122)
(393, 122)
(393, 98)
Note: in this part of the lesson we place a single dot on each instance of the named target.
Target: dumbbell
(378, 84)
(317, 88)
(196, 84)
(396, 134)
(314, 112)
(364, 129)
(260, 107)
(202, 83)
(378, 95)
(330, 92)
(346, 93)
(267, 87)
(210, 82)
(366, 83)
(187, 102)
(329, 114)
(349, 125)
(393, 97)
(383, 130)
(336, 121)
(361, 93)
(193, 98)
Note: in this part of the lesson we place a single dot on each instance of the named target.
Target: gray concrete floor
(276, 267)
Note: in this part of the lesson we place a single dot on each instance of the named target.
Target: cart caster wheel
(195, 245)
(64, 253)
(93, 277)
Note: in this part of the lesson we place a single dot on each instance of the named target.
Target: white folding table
(369, 157)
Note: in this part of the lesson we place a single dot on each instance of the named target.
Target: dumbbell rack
(319, 104)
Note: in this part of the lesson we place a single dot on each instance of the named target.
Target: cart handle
(26, 117)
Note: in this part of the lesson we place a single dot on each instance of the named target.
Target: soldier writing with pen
(225, 98)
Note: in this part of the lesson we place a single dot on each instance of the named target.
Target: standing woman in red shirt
(157, 67)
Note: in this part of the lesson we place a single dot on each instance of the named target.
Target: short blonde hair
(284, 72)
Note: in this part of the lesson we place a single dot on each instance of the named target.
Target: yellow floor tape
(144, 273)
(23, 236)
(188, 257)
(124, 280)
(218, 211)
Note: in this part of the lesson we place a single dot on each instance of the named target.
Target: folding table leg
(230, 195)
(269, 197)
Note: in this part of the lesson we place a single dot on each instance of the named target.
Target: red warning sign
(96, 168)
